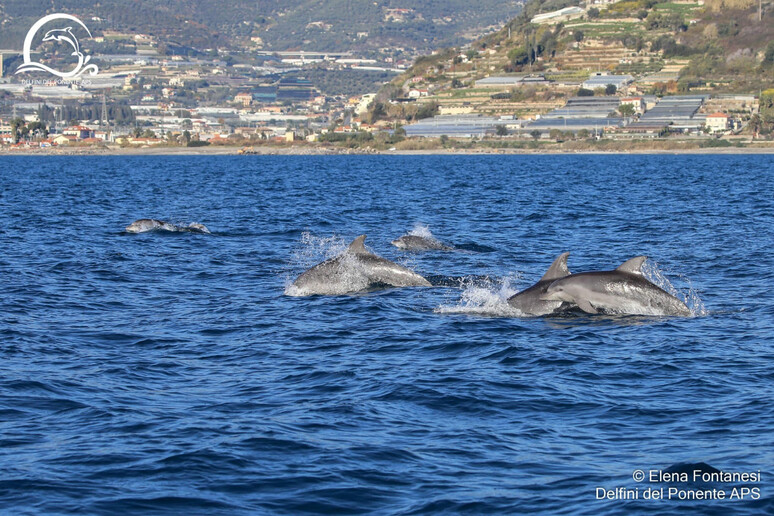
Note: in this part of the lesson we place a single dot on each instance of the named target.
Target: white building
(717, 122)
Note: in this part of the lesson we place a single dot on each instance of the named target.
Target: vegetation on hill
(673, 46)
(330, 25)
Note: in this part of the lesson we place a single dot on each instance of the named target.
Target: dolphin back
(419, 243)
(354, 270)
(530, 302)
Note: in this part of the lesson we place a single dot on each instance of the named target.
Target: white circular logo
(64, 35)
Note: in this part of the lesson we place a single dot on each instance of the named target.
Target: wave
(485, 296)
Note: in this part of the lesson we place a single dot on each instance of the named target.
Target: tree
(592, 13)
(501, 130)
(578, 35)
(555, 134)
(519, 56)
(755, 124)
(16, 123)
(768, 55)
(427, 110)
(444, 140)
(535, 133)
(610, 89)
(583, 133)
(626, 109)
(583, 92)
(38, 129)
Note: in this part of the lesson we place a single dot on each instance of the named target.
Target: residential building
(244, 98)
(416, 93)
(717, 122)
(638, 103)
(81, 132)
(64, 140)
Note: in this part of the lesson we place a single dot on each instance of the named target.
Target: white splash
(349, 276)
(311, 251)
(314, 249)
(686, 294)
(422, 230)
(487, 297)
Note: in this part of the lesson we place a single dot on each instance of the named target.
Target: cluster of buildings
(212, 95)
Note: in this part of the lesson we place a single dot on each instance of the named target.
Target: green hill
(330, 25)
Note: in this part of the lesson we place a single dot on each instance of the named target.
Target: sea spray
(687, 294)
(421, 230)
(485, 296)
(310, 251)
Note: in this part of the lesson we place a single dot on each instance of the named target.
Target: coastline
(338, 151)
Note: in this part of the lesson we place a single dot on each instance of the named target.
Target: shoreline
(338, 151)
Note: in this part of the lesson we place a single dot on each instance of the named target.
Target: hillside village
(692, 70)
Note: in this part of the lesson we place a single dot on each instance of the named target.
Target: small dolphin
(144, 225)
(622, 291)
(529, 301)
(353, 270)
(419, 243)
(195, 227)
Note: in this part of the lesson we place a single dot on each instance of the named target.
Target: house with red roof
(79, 131)
(717, 122)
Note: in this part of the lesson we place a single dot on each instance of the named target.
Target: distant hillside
(331, 25)
(718, 45)
(681, 46)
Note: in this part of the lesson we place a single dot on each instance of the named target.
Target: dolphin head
(557, 292)
(201, 228)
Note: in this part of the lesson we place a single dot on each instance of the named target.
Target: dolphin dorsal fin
(357, 246)
(558, 269)
(633, 266)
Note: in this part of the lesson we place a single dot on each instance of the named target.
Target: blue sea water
(167, 373)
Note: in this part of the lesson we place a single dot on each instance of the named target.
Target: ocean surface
(169, 373)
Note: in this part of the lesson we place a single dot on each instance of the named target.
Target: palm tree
(755, 124)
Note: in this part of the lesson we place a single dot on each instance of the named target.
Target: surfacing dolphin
(529, 301)
(144, 225)
(623, 291)
(353, 270)
(419, 243)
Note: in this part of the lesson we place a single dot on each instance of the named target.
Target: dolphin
(144, 225)
(419, 243)
(353, 270)
(195, 227)
(624, 290)
(529, 301)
